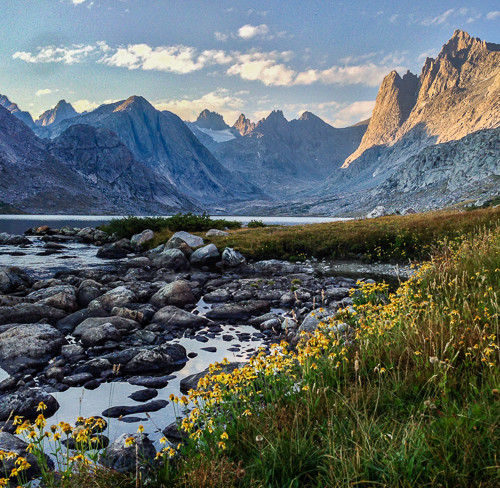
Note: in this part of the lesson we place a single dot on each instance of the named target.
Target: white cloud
(368, 74)
(88, 106)
(439, 19)
(221, 36)
(45, 91)
(353, 113)
(177, 59)
(217, 101)
(76, 53)
(248, 31)
(264, 67)
(495, 14)
(77, 2)
(393, 18)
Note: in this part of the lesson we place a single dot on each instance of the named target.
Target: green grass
(393, 238)
(414, 401)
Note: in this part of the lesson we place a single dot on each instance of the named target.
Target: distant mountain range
(433, 140)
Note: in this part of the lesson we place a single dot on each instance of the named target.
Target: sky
(232, 57)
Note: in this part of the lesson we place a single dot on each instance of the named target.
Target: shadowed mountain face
(164, 143)
(15, 110)
(297, 154)
(85, 170)
(60, 112)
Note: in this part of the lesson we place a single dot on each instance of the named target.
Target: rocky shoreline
(87, 327)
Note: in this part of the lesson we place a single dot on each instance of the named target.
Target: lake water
(17, 224)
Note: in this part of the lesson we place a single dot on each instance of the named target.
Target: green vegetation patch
(393, 238)
(189, 222)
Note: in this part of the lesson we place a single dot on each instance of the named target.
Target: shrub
(255, 223)
(128, 226)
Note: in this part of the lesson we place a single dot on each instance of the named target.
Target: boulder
(117, 297)
(12, 278)
(138, 240)
(122, 456)
(238, 311)
(173, 259)
(121, 411)
(11, 443)
(205, 256)
(121, 324)
(163, 358)
(313, 319)
(232, 258)
(191, 382)
(216, 233)
(112, 251)
(62, 297)
(25, 403)
(87, 291)
(29, 342)
(144, 395)
(100, 334)
(379, 211)
(68, 324)
(13, 240)
(190, 239)
(177, 293)
(171, 316)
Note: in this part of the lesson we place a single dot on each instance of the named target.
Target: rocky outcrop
(17, 112)
(243, 125)
(210, 120)
(62, 111)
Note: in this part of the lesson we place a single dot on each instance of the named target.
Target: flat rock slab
(238, 311)
(151, 381)
(25, 403)
(119, 411)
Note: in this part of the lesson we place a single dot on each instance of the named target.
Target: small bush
(189, 222)
(255, 223)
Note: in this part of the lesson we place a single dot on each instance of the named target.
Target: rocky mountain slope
(15, 110)
(62, 111)
(298, 153)
(164, 143)
(85, 170)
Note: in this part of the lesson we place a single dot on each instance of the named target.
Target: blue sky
(327, 57)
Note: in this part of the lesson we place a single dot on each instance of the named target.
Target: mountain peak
(244, 125)
(134, 102)
(62, 111)
(211, 120)
(14, 109)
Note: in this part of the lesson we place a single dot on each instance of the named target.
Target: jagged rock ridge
(62, 111)
(15, 110)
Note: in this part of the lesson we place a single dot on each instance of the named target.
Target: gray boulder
(25, 403)
(205, 255)
(232, 258)
(379, 211)
(26, 343)
(313, 319)
(216, 233)
(238, 311)
(117, 297)
(11, 443)
(138, 240)
(95, 336)
(112, 251)
(177, 293)
(159, 359)
(122, 457)
(173, 259)
(123, 325)
(190, 239)
(13, 240)
(62, 297)
(87, 291)
(171, 316)
(11, 278)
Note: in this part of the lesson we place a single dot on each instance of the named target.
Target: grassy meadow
(401, 390)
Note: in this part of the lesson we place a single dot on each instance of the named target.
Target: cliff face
(456, 94)
(395, 100)
(62, 111)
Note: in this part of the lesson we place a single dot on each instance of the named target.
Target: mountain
(15, 110)
(456, 94)
(164, 143)
(84, 170)
(210, 120)
(60, 112)
(423, 146)
(243, 125)
(284, 157)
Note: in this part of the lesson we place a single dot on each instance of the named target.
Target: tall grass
(409, 398)
(393, 238)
